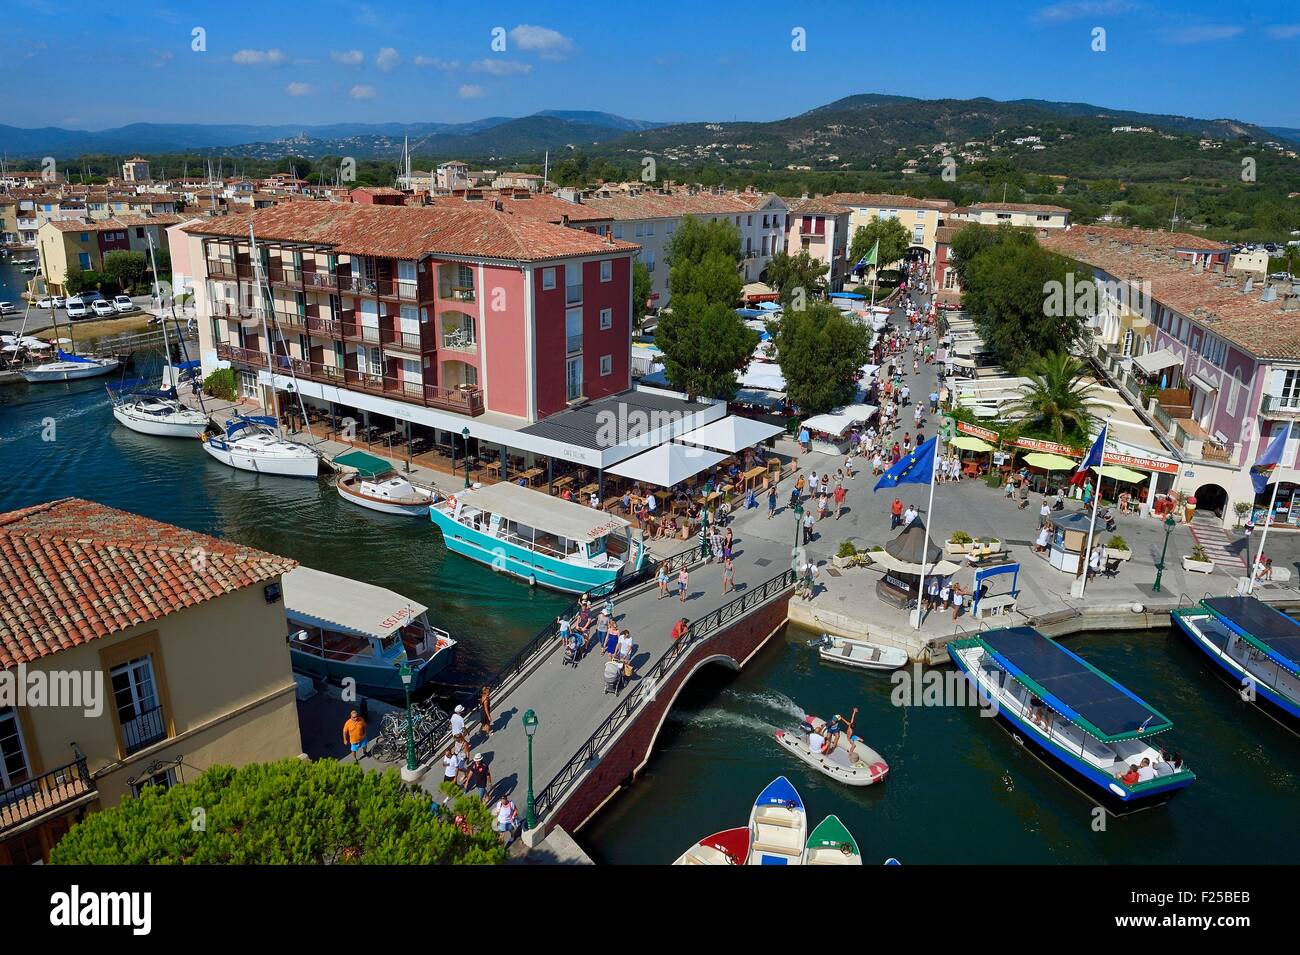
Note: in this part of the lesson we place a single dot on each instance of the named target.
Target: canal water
(959, 789)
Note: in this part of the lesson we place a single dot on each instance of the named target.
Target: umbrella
(1049, 462)
(968, 442)
(905, 553)
(1121, 473)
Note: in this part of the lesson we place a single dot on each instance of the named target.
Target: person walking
(895, 513)
(807, 526)
(663, 580)
(506, 817)
(354, 735)
(485, 706)
(451, 764)
(683, 579)
(839, 500)
(771, 502)
(728, 576)
(478, 778)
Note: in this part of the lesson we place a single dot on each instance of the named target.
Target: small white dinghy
(859, 653)
(863, 768)
(778, 826)
(372, 482)
(729, 847)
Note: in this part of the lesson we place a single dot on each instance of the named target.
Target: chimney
(564, 220)
(496, 204)
(1268, 295)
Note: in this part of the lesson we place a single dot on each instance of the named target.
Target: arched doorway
(1211, 499)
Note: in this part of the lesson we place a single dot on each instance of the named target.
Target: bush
(846, 549)
(1199, 553)
(959, 537)
(1117, 543)
(287, 813)
(221, 384)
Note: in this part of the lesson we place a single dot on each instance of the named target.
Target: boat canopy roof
(235, 425)
(1071, 686)
(1267, 629)
(340, 603)
(366, 465)
(577, 522)
(65, 356)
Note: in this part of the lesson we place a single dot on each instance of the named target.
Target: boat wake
(719, 718)
(770, 700)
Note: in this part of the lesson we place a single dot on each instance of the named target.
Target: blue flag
(1266, 462)
(916, 467)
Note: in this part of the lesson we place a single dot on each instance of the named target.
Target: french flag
(1092, 460)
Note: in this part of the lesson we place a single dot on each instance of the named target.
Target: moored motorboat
(250, 443)
(1081, 723)
(1253, 646)
(831, 843)
(372, 482)
(778, 824)
(729, 847)
(849, 761)
(69, 367)
(858, 653)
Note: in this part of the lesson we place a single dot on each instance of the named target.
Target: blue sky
(95, 65)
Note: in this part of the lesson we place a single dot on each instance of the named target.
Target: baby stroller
(572, 651)
(613, 677)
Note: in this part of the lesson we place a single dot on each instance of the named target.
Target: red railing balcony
(399, 339)
(245, 356)
(321, 280)
(324, 326)
(356, 285)
(291, 319)
(24, 801)
(221, 269)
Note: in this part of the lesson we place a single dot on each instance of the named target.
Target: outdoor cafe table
(752, 475)
(494, 467)
(588, 489)
(530, 474)
(563, 481)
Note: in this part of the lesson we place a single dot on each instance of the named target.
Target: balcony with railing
(395, 337)
(285, 275)
(456, 293)
(573, 344)
(320, 280)
(48, 792)
(466, 400)
(573, 294)
(1280, 406)
(290, 320)
(358, 285)
(221, 269)
(146, 728)
(329, 327)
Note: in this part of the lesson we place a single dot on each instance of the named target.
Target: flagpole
(929, 510)
(1268, 520)
(1096, 500)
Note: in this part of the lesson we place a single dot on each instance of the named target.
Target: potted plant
(1198, 562)
(1117, 548)
(844, 556)
(1242, 508)
(959, 543)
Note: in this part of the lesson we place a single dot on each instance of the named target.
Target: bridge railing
(700, 630)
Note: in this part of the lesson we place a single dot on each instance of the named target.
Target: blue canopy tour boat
(538, 538)
(1252, 645)
(1082, 724)
(341, 628)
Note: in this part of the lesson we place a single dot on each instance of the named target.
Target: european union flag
(917, 467)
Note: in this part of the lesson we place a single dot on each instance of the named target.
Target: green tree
(641, 291)
(125, 268)
(893, 236)
(971, 240)
(85, 280)
(786, 272)
(820, 349)
(1012, 292)
(1057, 404)
(286, 813)
(221, 384)
(702, 260)
(705, 345)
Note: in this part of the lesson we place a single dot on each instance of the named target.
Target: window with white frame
(606, 365)
(573, 378)
(606, 270)
(573, 283)
(548, 278)
(606, 318)
(573, 331)
(139, 709)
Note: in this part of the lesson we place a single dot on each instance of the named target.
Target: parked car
(89, 297)
(60, 302)
(123, 304)
(77, 308)
(103, 308)
(7, 308)
(46, 302)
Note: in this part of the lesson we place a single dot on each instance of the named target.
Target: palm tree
(1057, 402)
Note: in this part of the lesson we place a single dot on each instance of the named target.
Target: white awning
(667, 465)
(731, 434)
(763, 374)
(839, 420)
(1157, 361)
(340, 603)
(1201, 383)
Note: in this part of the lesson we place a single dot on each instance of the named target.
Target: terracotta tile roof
(73, 570)
(887, 200)
(1150, 237)
(537, 206)
(820, 206)
(406, 232)
(1264, 329)
(1016, 207)
(113, 223)
(656, 205)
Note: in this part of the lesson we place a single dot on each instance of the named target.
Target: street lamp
(406, 675)
(530, 727)
(1160, 564)
(794, 551)
(464, 433)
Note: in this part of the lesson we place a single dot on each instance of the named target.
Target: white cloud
(298, 89)
(1078, 9)
(361, 91)
(547, 43)
(499, 67)
(272, 57)
(469, 91)
(1202, 34)
(387, 58)
(348, 57)
(438, 63)
(162, 58)
(1284, 31)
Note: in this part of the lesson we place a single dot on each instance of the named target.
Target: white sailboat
(67, 366)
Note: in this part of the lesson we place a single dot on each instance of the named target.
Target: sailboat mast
(264, 295)
(167, 352)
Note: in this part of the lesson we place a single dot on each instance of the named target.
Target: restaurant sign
(982, 433)
(1146, 464)
(1034, 444)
